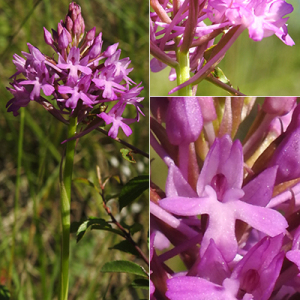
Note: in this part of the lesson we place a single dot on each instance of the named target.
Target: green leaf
(4, 293)
(132, 189)
(95, 223)
(136, 227)
(74, 226)
(132, 228)
(219, 74)
(110, 196)
(126, 153)
(141, 283)
(127, 247)
(86, 182)
(123, 266)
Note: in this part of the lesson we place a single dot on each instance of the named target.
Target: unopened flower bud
(278, 105)
(55, 35)
(78, 27)
(69, 24)
(184, 120)
(287, 154)
(48, 37)
(159, 108)
(96, 48)
(60, 27)
(207, 108)
(74, 11)
(90, 34)
(110, 50)
(64, 39)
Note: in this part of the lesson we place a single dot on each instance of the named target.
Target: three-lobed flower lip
(224, 157)
(226, 215)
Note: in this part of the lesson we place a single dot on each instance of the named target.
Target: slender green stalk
(17, 195)
(183, 72)
(65, 197)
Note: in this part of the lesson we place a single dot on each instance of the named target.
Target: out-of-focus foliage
(36, 257)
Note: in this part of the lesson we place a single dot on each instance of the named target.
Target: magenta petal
(224, 158)
(152, 288)
(48, 37)
(266, 220)
(177, 185)
(86, 99)
(221, 228)
(74, 55)
(48, 89)
(63, 40)
(195, 288)
(111, 50)
(268, 278)
(259, 190)
(63, 89)
(278, 105)
(192, 288)
(107, 118)
(126, 129)
(183, 120)
(35, 52)
(294, 256)
(260, 255)
(207, 108)
(99, 82)
(232, 167)
(185, 206)
(85, 70)
(210, 167)
(287, 154)
(36, 91)
(260, 267)
(213, 266)
(156, 65)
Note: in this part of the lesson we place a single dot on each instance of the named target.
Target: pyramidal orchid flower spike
(80, 84)
(231, 216)
(182, 35)
(83, 79)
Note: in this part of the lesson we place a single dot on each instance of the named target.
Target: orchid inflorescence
(230, 209)
(82, 81)
(182, 34)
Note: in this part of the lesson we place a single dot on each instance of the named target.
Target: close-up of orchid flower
(226, 223)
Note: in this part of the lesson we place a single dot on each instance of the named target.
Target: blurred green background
(36, 259)
(261, 68)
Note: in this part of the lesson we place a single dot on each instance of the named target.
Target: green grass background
(36, 259)
(261, 68)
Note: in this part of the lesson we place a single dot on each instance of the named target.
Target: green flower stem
(183, 72)
(65, 190)
(17, 196)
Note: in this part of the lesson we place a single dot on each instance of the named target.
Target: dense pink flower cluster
(192, 26)
(230, 209)
(83, 79)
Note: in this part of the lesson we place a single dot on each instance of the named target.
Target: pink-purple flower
(221, 197)
(82, 78)
(229, 211)
(189, 28)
